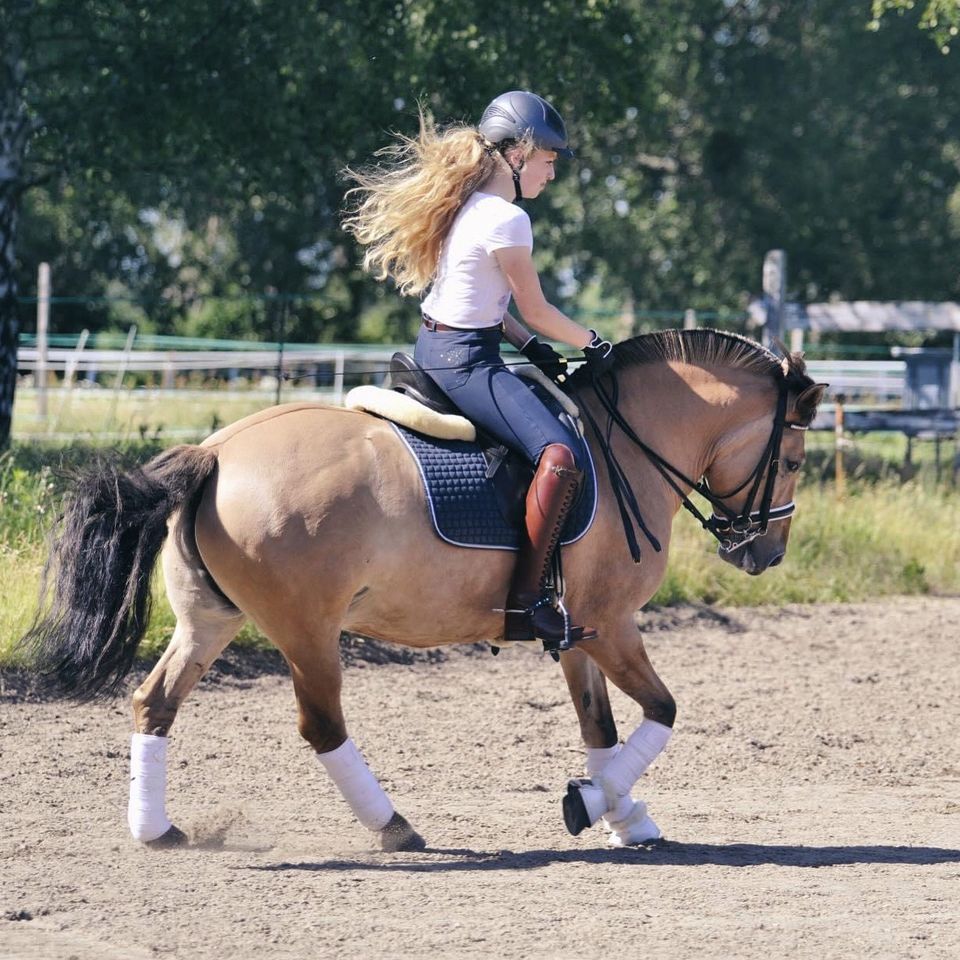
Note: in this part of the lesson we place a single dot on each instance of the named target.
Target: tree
(181, 150)
(202, 108)
(940, 17)
(182, 104)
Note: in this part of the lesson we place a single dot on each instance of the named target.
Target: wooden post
(281, 343)
(796, 340)
(125, 359)
(689, 319)
(74, 360)
(627, 325)
(839, 475)
(43, 324)
(774, 294)
(955, 372)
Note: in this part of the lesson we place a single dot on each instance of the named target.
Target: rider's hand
(542, 355)
(599, 354)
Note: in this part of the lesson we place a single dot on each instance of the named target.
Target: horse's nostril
(777, 560)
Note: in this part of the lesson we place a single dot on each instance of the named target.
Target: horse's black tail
(95, 593)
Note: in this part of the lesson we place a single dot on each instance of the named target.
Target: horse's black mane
(702, 348)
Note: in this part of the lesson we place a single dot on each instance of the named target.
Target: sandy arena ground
(810, 797)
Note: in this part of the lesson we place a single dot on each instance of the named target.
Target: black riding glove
(599, 354)
(542, 355)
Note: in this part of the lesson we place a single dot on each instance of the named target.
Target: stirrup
(525, 628)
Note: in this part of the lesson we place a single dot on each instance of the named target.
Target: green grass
(880, 540)
(885, 537)
(133, 415)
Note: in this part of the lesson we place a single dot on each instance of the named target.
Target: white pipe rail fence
(329, 366)
(876, 380)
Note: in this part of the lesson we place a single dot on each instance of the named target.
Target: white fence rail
(168, 364)
(880, 379)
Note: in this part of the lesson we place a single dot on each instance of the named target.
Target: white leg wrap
(619, 769)
(646, 743)
(636, 827)
(598, 759)
(146, 811)
(359, 787)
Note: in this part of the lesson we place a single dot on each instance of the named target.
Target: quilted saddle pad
(462, 502)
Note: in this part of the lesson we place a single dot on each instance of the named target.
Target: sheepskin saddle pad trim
(399, 408)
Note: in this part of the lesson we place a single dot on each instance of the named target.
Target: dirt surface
(810, 797)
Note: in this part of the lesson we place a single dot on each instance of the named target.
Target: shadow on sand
(666, 853)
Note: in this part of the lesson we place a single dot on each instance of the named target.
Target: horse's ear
(808, 401)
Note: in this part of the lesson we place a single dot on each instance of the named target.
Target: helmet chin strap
(515, 171)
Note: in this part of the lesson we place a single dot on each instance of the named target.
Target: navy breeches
(468, 368)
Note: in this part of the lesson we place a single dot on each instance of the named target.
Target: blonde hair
(401, 210)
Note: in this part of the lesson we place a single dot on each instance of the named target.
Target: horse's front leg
(613, 769)
(628, 823)
(588, 690)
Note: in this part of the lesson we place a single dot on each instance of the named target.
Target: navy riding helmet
(518, 115)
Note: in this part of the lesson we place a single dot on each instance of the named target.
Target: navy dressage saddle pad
(462, 501)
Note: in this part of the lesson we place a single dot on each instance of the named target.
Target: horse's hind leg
(315, 667)
(206, 623)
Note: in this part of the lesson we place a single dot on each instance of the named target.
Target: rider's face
(537, 172)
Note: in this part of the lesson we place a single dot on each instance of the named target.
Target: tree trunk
(14, 134)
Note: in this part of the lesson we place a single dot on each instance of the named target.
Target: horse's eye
(792, 465)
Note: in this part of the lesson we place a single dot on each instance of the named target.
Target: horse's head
(743, 466)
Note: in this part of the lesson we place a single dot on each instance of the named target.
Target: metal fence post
(839, 474)
(774, 294)
(43, 323)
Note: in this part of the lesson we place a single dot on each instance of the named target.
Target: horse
(310, 520)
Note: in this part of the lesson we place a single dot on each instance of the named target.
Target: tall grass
(33, 480)
(880, 539)
(883, 538)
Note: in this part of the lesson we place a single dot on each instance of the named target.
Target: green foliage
(706, 133)
(940, 17)
(188, 154)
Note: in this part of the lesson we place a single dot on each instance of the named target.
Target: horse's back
(324, 508)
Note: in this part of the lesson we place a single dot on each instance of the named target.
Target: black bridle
(732, 529)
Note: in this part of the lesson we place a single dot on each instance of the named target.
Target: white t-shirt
(470, 290)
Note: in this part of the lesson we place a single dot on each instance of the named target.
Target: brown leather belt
(432, 325)
(435, 325)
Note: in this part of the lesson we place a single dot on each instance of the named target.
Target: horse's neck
(684, 414)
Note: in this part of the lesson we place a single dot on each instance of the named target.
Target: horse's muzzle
(751, 558)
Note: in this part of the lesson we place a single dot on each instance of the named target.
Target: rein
(731, 529)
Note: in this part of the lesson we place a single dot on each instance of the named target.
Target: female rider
(442, 215)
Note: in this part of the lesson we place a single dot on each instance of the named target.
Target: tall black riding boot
(530, 612)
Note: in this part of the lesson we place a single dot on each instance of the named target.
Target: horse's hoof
(575, 814)
(399, 837)
(583, 806)
(650, 844)
(174, 837)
